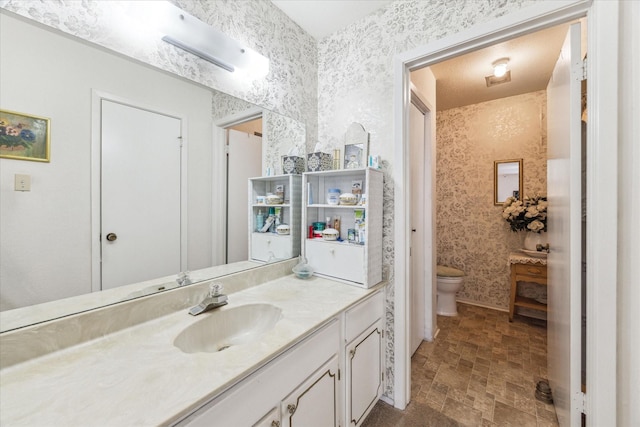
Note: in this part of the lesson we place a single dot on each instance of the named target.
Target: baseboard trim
(479, 304)
(387, 400)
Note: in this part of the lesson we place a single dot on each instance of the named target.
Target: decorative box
(319, 162)
(292, 165)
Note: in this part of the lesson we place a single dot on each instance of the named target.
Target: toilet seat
(446, 271)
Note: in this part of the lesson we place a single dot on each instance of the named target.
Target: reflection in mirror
(50, 247)
(356, 146)
(507, 180)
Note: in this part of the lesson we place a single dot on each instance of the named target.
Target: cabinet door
(364, 374)
(314, 402)
(263, 245)
(272, 419)
(340, 260)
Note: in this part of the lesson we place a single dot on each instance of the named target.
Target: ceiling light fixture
(500, 73)
(500, 67)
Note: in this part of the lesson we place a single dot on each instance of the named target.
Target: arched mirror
(507, 180)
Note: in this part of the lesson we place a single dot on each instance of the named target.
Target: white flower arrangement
(529, 214)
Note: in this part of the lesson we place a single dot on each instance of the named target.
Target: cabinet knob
(352, 353)
(112, 237)
(332, 251)
(275, 423)
(268, 242)
(291, 408)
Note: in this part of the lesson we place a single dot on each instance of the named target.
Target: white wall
(45, 233)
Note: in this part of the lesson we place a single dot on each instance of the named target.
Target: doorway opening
(601, 165)
(244, 161)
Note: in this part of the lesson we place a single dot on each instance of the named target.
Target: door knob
(112, 237)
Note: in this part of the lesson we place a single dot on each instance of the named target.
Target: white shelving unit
(266, 246)
(356, 264)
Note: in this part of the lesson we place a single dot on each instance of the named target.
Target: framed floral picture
(24, 137)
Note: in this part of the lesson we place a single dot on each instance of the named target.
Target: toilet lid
(444, 271)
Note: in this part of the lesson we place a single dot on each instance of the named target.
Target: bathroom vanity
(317, 359)
(530, 269)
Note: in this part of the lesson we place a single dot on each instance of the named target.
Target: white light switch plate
(23, 182)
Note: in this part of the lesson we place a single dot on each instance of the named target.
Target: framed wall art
(24, 136)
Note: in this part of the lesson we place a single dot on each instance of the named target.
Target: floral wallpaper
(471, 233)
(355, 84)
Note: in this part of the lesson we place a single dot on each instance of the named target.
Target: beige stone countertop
(136, 377)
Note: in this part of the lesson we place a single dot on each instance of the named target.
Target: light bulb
(500, 70)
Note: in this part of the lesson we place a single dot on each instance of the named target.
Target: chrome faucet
(183, 279)
(214, 299)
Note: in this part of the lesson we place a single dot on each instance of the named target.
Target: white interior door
(417, 282)
(140, 194)
(244, 162)
(564, 224)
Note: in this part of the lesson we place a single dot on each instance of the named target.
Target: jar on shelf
(333, 196)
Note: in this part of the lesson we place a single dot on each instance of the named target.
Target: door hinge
(338, 374)
(382, 376)
(383, 334)
(180, 140)
(584, 69)
(581, 402)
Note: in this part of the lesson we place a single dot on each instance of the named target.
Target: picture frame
(24, 136)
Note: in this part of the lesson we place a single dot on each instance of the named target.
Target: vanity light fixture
(500, 73)
(188, 33)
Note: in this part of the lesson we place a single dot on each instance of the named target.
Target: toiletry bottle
(336, 225)
(259, 220)
(272, 214)
(328, 222)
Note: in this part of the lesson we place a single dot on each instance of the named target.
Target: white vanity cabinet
(357, 264)
(271, 246)
(288, 391)
(364, 359)
(332, 378)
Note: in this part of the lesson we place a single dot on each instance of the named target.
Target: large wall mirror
(507, 180)
(50, 263)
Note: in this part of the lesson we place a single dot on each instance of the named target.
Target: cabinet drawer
(341, 260)
(360, 317)
(531, 270)
(263, 244)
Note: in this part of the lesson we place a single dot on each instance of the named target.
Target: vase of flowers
(529, 215)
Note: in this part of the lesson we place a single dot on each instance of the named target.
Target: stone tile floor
(481, 370)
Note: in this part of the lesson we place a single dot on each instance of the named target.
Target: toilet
(449, 282)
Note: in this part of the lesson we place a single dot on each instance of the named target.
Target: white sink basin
(222, 328)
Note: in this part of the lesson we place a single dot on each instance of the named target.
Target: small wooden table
(526, 268)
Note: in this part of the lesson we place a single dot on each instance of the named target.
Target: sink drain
(543, 392)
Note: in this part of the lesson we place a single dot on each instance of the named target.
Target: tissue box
(319, 162)
(292, 165)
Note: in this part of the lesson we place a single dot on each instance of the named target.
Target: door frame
(96, 169)
(601, 182)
